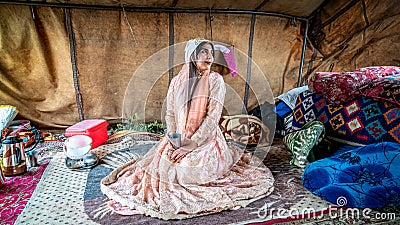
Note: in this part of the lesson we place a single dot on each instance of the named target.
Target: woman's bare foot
(121, 209)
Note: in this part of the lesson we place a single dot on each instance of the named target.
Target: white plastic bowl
(77, 146)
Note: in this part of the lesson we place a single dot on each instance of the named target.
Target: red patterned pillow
(340, 87)
(384, 88)
(379, 71)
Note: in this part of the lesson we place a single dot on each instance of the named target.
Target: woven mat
(58, 198)
(64, 196)
(289, 192)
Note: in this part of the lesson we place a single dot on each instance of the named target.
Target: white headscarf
(191, 47)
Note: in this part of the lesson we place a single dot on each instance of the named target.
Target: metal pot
(31, 158)
(2, 179)
(13, 161)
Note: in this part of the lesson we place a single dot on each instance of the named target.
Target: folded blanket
(366, 177)
(341, 87)
(383, 88)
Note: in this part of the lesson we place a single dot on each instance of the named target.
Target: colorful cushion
(284, 117)
(339, 87)
(359, 122)
(301, 142)
(378, 71)
(384, 88)
(366, 177)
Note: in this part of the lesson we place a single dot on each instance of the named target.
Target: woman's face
(205, 57)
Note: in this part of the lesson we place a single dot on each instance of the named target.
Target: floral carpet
(16, 192)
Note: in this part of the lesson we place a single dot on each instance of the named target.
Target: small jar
(2, 178)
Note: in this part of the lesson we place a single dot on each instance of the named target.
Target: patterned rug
(64, 196)
(17, 190)
(58, 197)
(289, 193)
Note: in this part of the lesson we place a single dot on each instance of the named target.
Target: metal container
(2, 178)
(31, 158)
(13, 156)
(175, 139)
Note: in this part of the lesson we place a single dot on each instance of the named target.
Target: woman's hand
(188, 146)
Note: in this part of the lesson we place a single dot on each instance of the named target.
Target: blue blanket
(365, 177)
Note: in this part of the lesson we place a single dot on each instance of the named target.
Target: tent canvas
(57, 75)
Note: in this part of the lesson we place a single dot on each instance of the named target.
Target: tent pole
(303, 52)
(171, 47)
(262, 4)
(75, 71)
(338, 14)
(249, 64)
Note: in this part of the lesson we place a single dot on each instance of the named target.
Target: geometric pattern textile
(361, 121)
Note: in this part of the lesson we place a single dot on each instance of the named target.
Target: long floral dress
(211, 178)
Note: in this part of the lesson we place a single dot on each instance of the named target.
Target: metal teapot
(2, 178)
(13, 161)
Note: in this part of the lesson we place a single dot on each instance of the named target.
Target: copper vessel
(13, 161)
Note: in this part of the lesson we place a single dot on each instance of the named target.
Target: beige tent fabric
(298, 8)
(35, 65)
(109, 53)
(353, 41)
(147, 89)
(302, 8)
(115, 48)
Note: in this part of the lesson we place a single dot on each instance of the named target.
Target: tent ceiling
(297, 8)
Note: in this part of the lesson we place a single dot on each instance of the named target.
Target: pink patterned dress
(213, 177)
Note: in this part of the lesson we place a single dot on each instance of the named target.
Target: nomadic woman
(204, 175)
